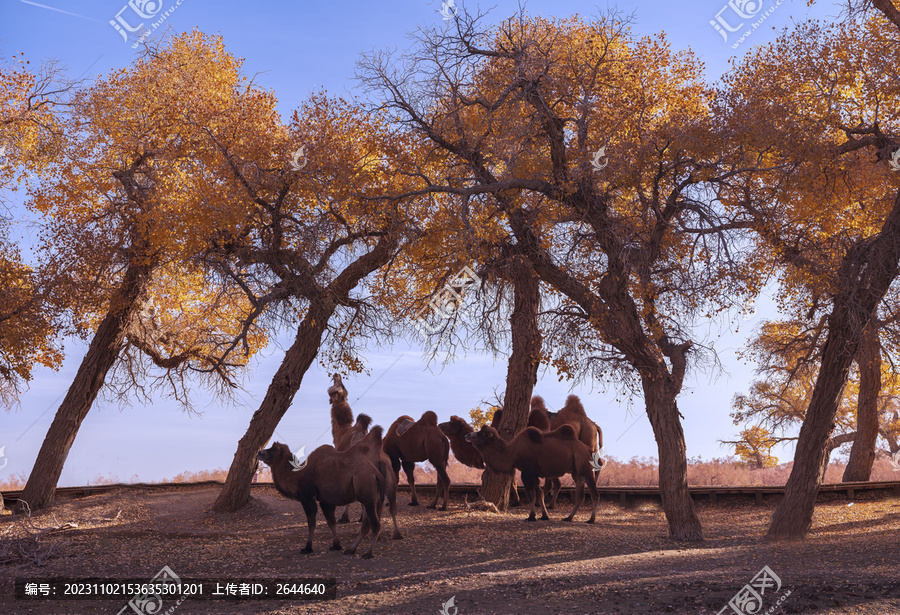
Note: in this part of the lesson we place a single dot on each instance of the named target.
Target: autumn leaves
(176, 182)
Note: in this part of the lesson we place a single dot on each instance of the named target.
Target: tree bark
(866, 274)
(236, 492)
(40, 489)
(521, 375)
(662, 411)
(862, 454)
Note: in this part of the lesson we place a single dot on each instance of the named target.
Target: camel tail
(364, 420)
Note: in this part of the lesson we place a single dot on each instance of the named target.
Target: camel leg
(514, 493)
(579, 496)
(551, 490)
(392, 505)
(555, 486)
(442, 487)
(370, 512)
(595, 499)
(309, 507)
(409, 468)
(363, 531)
(531, 487)
(328, 511)
(540, 494)
(345, 517)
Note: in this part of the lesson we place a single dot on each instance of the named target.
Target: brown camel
(334, 478)
(456, 429)
(409, 441)
(371, 446)
(343, 431)
(586, 431)
(536, 455)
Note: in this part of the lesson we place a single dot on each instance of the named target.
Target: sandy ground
(487, 563)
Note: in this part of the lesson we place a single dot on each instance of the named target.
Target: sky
(295, 49)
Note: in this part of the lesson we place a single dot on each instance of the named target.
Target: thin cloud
(51, 8)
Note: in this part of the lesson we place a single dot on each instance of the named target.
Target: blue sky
(296, 48)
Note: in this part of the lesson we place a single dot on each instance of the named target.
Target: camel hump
(429, 418)
(535, 434)
(495, 420)
(404, 425)
(375, 435)
(538, 402)
(565, 432)
(573, 404)
(363, 420)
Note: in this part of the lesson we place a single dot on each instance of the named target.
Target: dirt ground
(487, 563)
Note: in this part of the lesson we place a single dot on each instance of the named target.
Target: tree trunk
(521, 375)
(866, 273)
(101, 356)
(662, 411)
(285, 383)
(862, 454)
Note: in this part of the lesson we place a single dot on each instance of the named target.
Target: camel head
(484, 438)
(455, 426)
(276, 454)
(337, 392)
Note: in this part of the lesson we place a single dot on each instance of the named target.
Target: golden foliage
(755, 448)
(479, 417)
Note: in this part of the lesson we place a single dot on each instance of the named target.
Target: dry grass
(637, 472)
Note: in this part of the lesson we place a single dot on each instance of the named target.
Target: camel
(343, 431)
(536, 455)
(456, 429)
(409, 441)
(371, 446)
(586, 430)
(334, 478)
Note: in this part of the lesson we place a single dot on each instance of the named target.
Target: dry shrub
(14, 483)
(218, 474)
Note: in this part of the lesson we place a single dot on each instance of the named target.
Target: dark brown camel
(586, 431)
(334, 478)
(456, 429)
(537, 455)
(371, 446)
(343, 431)
(409, 441)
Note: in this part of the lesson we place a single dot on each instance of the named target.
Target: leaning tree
(816, 116)
(132, 198)
(329, 217)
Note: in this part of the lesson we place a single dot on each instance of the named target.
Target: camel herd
(364, 467)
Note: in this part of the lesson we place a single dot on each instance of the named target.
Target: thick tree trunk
(862, 454)
(866, 273)
(793, 521)
(662, 411)
(521, 375)
(236, 492)
(101, 356)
